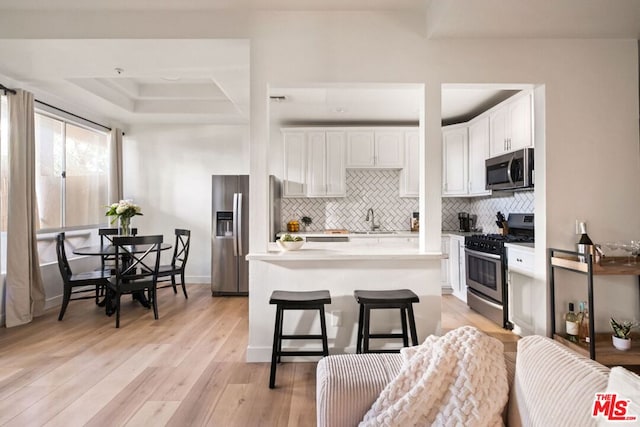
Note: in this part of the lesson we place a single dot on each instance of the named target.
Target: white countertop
(344, 251)
(351, 234)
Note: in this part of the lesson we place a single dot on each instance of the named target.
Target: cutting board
(336, 231)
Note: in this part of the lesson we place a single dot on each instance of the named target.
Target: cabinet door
(410, 174)
(498, 131)
(454, 265)
(335, 176)
(317, 166)
(522, 303)
(462, 288)
(521, 123)
(444, 265)
(389, 149)
(455, 158)
(360, 149)
(478, 153)
(295, 164)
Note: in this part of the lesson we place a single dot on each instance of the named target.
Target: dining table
(110, 250)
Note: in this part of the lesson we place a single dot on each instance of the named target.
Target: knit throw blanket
(459, 379)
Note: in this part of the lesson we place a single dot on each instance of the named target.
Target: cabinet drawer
(521, 260)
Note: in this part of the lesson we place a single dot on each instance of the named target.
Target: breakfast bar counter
(341, 268)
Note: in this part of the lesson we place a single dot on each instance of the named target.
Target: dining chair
(137, 264)
(107, 262)
(97, 279)
(178, 262)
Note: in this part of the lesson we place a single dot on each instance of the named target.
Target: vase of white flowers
(122, 212)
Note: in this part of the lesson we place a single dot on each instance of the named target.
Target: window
(72, 173)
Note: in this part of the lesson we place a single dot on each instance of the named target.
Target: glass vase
(125, 226)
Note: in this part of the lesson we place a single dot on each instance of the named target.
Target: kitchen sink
(373, 232)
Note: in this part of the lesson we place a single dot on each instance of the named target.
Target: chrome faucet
(373, 222)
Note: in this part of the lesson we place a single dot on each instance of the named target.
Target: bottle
(572, 324)
(584, 322)
(585, 245)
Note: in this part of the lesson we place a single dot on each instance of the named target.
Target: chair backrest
(137, 258)
(63, 264)
(181, 249)
(107, 234)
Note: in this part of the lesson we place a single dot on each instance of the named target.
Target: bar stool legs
(285, 300)
(401, 299)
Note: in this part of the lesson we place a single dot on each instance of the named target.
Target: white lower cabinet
(523, 299)
(444, 266)
(457, 271)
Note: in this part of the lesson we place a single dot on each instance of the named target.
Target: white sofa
(550, 385)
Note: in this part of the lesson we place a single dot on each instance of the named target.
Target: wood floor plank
(153, 414)
(186, 368)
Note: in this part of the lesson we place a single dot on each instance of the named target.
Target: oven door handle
(482, 254)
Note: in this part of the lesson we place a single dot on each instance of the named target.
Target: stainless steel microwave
(510, 171)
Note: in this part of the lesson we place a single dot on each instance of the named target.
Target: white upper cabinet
(375, 149)
(511, 125)
(360, 149)
(295, 164)
(335, 172)
(410, 173)
(317, 164)
(455, 153)
(478, 153)
(314, 163)
(389, 149)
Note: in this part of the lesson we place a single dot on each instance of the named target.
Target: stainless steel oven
(485, 264)
(485, 285)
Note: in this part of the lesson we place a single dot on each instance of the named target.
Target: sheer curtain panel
(24, 289)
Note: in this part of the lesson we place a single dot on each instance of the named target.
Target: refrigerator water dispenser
(224, 224)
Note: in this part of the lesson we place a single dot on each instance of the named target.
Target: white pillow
(624, 386)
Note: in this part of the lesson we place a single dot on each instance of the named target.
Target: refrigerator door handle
(235, 224)
(239, 226)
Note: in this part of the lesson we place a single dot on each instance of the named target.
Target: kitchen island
(341, 268)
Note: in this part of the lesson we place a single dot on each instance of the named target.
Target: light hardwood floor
(187, 368)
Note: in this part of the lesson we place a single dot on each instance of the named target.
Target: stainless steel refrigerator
(230, 231)
(230, 235)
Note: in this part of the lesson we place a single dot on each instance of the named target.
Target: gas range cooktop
(521, 229)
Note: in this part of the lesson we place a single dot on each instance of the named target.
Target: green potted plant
(306, 221)
(621, 331)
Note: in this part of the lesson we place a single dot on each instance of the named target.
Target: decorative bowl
(290, 246)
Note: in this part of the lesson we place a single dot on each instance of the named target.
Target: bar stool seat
(402, 299)
(297, 300)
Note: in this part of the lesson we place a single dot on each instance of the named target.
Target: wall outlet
(336, 318)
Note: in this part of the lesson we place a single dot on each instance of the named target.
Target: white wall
(168, 170)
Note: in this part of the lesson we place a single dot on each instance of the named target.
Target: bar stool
(297, 300)
(371, 300)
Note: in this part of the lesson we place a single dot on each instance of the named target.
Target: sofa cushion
(347, 385)
(553, 385)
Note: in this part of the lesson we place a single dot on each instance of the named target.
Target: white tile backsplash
(379, 189)
(366, 188)
(486, 209)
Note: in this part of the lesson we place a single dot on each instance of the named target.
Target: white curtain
(24, 289)
(115, 172)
